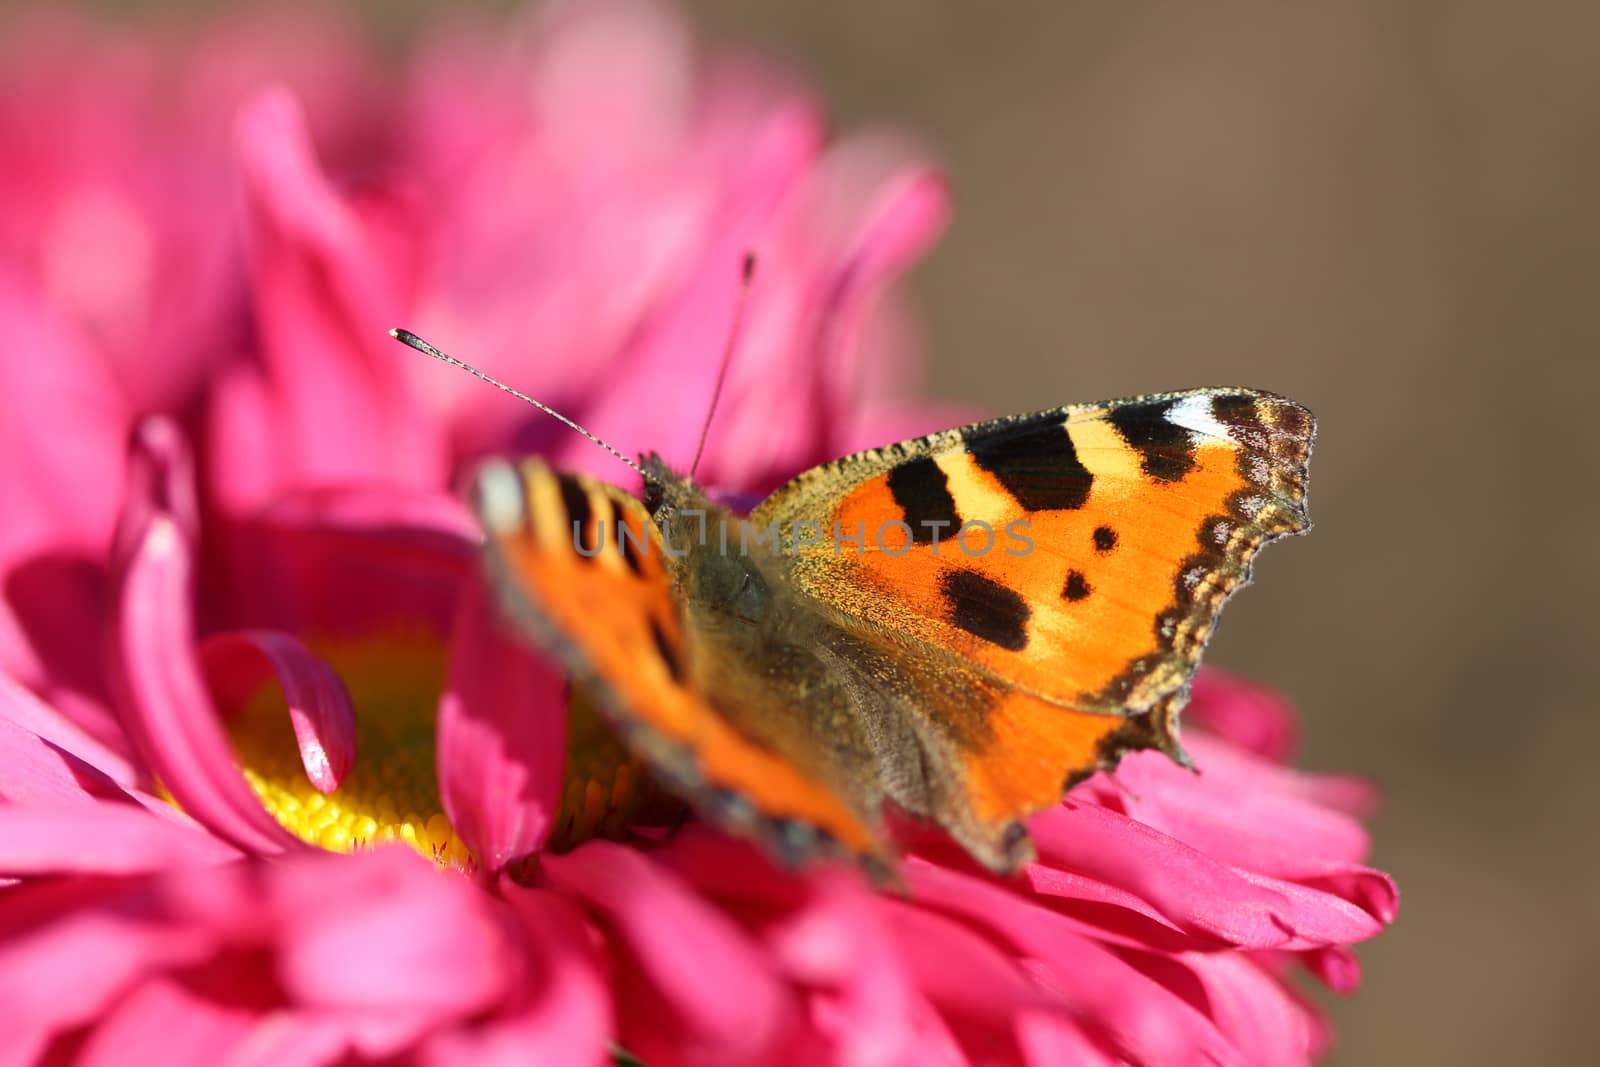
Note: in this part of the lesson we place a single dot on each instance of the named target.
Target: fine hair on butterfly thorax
(959, 627)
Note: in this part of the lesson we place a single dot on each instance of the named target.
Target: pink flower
(1155, 927)
(569, 214)
(303, 808)
(121, 281)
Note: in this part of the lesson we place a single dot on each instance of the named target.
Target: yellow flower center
(392, 792)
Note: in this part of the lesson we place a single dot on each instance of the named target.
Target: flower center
(392, 792)
(606, 791)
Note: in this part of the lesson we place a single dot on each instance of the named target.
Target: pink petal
(1049, 1039)
(1234, 815)
(165, 704)
(39, 773)
(674, 363)
(566, 1015)
(642, 102)
(385, 930)
(237, 664)
(1251, 716)
(502, 735)
(1355, 797)
(45, 773)
(63, 498)
(351, 562)
(98, 837)
(690, 953)
(961, 973)
(239, 438)
(301, 1038)
(323, 285)
(1338, 967)
(909, 211)
(31, 715)
(863, 1005)
(160, 483)
(59, 505)
(69, 946)
(1146, 1021)
(1258, 1014)
(1189, 887)
(167, 1022)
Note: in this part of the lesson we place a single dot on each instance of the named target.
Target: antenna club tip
(747, 266)
(406, 337)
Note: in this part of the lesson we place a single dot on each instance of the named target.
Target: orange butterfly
(964, 624)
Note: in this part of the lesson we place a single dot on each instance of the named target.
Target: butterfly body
(961, 625)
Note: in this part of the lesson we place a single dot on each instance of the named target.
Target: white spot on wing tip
(499, 496)
(1194, 413)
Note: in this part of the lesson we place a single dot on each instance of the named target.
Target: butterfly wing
(1101, 542)
(612, 613)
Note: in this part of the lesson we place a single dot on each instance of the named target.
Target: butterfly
(962, 626)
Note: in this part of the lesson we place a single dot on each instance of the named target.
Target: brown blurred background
(1385, 209)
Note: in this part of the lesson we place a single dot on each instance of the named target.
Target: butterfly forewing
(1080, 555)
(584, 572)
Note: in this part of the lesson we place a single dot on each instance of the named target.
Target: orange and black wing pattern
(1070, 563)
(582, 571)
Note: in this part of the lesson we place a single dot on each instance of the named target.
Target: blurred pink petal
(863, 1004)
(1048, 1039)
(1249, 716)
(564, 1015)
(27, 723)
(139, 1029)
(977, 988)
(59, 505)
(105, 837)
(236, 664)
(69, 946)
(325, 299)
(689, 953)
(502, 735)
(1336, 966)
(348, 563)
(1258, 1014)
(165, 704)
(339, 946)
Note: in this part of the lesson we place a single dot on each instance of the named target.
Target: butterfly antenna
(408, 338)
(747, 271)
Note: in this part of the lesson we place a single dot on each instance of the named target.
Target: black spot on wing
(575, 498)
(629, 550)
(1077, 587)
(922, 492)
(1034, 460)
(1166, 450)
(986, 609)
(1105, 539)
(664, 649)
